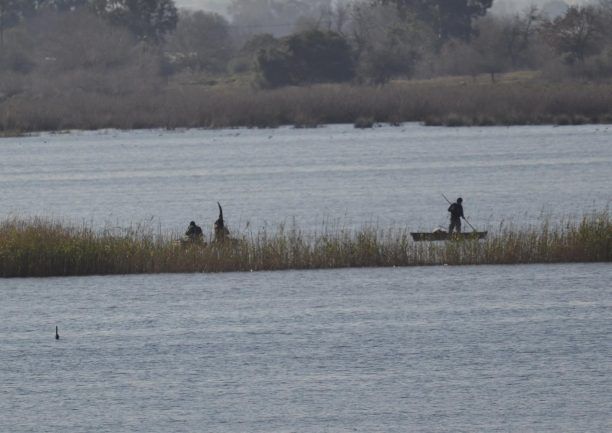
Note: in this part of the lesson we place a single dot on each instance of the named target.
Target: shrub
(364, 122)
(306, 58)
(201, 41)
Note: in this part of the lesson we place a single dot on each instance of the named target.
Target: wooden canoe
(444, 236)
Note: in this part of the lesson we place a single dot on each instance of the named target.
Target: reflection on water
(495, 349)
(389, 176)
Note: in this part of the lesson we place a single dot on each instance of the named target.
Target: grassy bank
(451, 102)
(39, 248)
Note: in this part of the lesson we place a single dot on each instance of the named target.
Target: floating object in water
(56, 334)
(445, 236)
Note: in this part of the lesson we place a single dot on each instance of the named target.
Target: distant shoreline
(43, 248)
(457, 101)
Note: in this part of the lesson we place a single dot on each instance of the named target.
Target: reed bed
(449, 103)
(43, 248)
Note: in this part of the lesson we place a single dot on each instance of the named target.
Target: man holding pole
(456, 211)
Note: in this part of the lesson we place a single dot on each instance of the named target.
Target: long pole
(468, 223)
(464, 218)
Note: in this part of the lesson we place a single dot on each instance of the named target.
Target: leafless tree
(576, 34)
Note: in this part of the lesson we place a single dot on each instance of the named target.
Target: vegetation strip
(446, 102)
(42, 248)
(126, 64)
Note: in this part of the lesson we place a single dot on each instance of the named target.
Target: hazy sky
(221, 5)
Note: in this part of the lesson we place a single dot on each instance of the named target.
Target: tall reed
(451, 103)
(41, 248)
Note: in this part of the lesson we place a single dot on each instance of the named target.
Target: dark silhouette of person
(456, 213)
(56, 334)
(194, 232)
(221, 232)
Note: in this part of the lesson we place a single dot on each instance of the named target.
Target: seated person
(194, 232)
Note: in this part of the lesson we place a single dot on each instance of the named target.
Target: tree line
(125, 46)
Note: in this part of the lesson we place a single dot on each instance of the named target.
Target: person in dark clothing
(221, 232)
(194, 232)
(456, 211)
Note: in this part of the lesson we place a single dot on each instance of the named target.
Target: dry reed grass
(452, 103)
(41, 248)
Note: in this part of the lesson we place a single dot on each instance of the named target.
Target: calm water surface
(470, 349)
(487, 349)
(389, 176)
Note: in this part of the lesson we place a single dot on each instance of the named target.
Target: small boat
(444, 236)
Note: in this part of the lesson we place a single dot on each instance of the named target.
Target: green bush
(306, 58)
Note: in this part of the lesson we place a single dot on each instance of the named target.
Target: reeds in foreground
(42, 248)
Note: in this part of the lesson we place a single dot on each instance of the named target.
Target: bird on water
(56, 334)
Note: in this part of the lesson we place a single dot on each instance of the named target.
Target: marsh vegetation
(84, 64)
(42, 248)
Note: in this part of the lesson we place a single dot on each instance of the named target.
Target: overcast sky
(221, 5)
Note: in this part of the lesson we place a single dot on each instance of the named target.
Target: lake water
(468, 349)
(388, 176)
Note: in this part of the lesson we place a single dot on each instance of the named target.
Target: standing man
(221, 232)
(456, 211)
